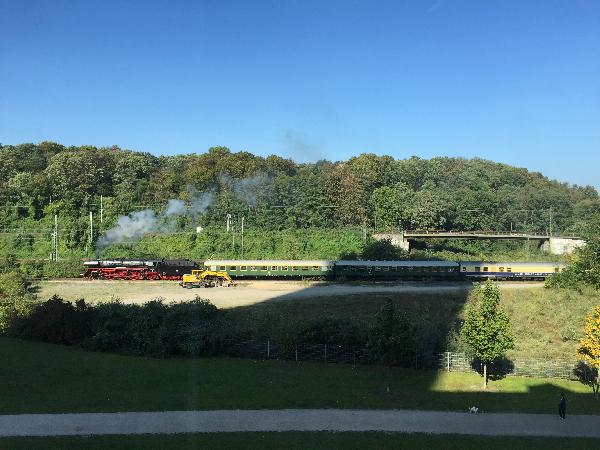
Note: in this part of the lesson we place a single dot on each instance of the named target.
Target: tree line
(273, 193)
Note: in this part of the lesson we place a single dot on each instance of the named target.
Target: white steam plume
(133, 226)
(175, 208)
(129, 228)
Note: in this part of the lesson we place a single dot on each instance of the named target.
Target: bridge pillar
(397, 240)
(560, 246)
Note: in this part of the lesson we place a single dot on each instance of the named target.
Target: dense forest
(321, 209)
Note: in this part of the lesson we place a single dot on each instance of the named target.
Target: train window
(315, 268)
(500, 269)
(464, 269)
(243, 268)
(477, 269)
(222, 267)
(377, 268)
(508, 269)
(264, 268)
(294, 268)
(556, 269)
(284, 268)
(273, 268)
(305, 268)
(485, 269)
(410, 268)
(253, 268)
(232, 267)
(386, 269)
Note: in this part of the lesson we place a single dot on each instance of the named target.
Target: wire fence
(519, 366)
(447, 361)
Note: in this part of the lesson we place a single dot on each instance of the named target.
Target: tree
(382, 250)
(585, 267)
(390, 339)
(589, 346)
(486, 330)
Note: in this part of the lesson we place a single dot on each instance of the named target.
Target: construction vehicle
(205, 278)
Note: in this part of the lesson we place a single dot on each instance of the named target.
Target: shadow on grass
(67, 380)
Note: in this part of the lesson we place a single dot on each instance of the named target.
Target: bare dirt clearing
(245, 293)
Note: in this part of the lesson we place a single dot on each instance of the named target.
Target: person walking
(562, 406)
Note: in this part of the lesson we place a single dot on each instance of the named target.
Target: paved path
(437, 422)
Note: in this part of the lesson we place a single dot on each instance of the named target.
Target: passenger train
(163, 269)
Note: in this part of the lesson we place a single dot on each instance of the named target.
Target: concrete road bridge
(555, 244)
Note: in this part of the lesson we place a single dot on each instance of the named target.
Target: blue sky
(511, 81)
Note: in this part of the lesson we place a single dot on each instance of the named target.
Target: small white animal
(473, 410)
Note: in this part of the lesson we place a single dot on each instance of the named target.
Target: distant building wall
(560, 246)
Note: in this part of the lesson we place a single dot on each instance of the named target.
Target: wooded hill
(272, 194)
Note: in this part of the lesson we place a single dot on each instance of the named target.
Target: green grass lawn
(46, 378)
(298, 440)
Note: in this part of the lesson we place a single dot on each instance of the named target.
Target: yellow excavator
(205, 278)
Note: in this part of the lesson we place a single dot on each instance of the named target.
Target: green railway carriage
(509, 270)
(272, 268)
(441, 270)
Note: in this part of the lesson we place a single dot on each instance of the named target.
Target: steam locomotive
(138, 269)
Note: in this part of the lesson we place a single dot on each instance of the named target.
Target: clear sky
(511, 81)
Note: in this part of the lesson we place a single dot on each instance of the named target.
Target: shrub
(58, 321)
(390, 340)
(15, 300)
(196, 328)
(332, 331)
(111, 327)
(13, 285)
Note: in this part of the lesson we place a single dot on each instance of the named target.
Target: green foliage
(277, 197)
(390, 339)
(382, 250)
(195, 328)
(486, 330)
(585, 267)
(15, 299)
(330, 330)
(56, 321)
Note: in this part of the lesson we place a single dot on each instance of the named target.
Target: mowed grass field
(298, 441)
(46, 378)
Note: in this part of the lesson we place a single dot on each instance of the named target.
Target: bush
(15, 300)
(111, 327)
(9, 264)
(57, 321)
(196, 328)
(390, 340)
(67, 268)
(13, 285)
(383, 250)
(332, 331)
